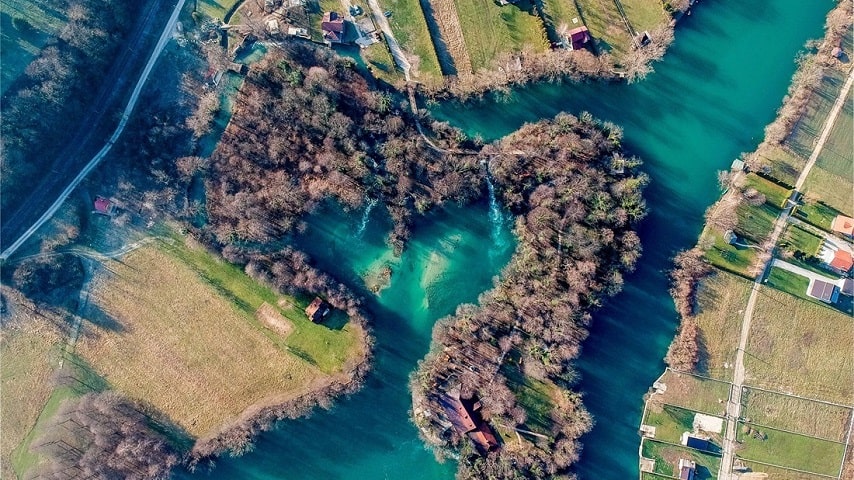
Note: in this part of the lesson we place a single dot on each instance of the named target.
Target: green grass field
(816, 214)
(721, 298)
(606, 26)
(775, 195)
(794, 346)
(731, 258)
(561, 13)
(694, 393)
(410, 29)
(796, 239)
(670, 422)
(378, 57)
(799, 415)
(490, 30)
(790, 450)
(25, 27)
(667, 458)
(645, 14)
(779, 473)
(216, 8)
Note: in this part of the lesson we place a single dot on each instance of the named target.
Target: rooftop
(824, 291)
(843, 224)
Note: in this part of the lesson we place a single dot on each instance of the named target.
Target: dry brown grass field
(452, 34)
(798, 415)
(800, 347)
(721, 299)
(694, 393)
(161, 334)
(30, 347)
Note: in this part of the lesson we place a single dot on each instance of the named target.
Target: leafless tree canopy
(104, 436)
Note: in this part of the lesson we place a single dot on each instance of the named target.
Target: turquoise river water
(718, 86)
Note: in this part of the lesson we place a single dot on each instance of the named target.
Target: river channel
(709, 100)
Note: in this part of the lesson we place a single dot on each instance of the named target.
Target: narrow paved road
(396, 51)
(23, 213)
(734, 405)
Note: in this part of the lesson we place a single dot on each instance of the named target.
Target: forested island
(509, 360)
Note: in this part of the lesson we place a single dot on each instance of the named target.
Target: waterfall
(366, 215)
(496, 217)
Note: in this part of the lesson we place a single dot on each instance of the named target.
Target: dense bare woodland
(574, 221)
(57, 86)
(104, 435)
(308, 127)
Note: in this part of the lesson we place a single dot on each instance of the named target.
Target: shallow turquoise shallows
(719, 85)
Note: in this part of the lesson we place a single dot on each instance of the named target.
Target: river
(709, 100)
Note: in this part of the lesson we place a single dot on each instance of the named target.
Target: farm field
(721, 298)
(794, 347)
(667, 457)
(785, 165)
(789, 450)
(30, 347)
(693, 393)
(167, 343)
(730, 258)
(670, 422)
(799, 415)
(216, 8)
(409, 26)
(780, 472)
(830, 180)
(490, 30)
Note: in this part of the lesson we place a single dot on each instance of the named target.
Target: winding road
(15, 225)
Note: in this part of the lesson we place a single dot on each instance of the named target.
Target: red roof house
(844, 225)
(842, 260)
(317, 309)
(332, 27)
(578, 37)
(104, 206)
(464, 415)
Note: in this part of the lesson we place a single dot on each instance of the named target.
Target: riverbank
(736, 332)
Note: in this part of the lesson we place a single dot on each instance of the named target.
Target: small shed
(273, 26)
(823, 291)
(317, 310)
(737, 165)
(730, 237)
(578, 37)
(104, 206)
